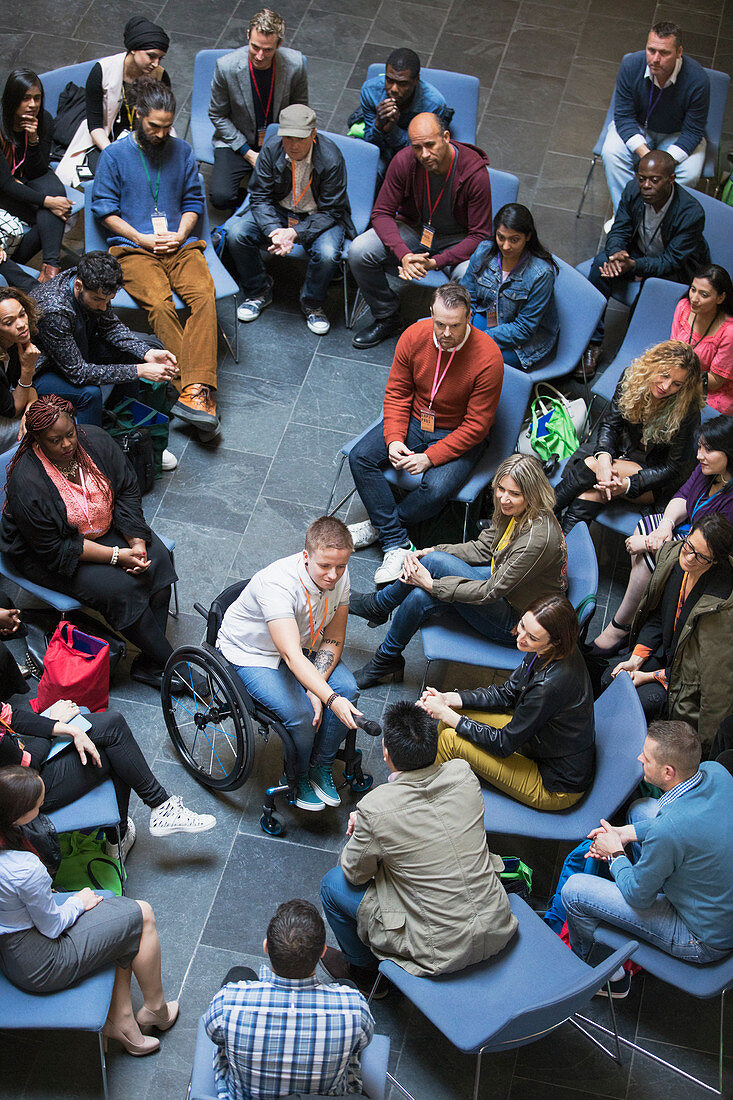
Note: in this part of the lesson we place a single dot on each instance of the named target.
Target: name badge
(427, 235)
(160, 223)
(261, 137)
(292, 221)
(427, 420)
(491, 318)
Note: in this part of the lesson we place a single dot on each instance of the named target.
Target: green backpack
(83, 863)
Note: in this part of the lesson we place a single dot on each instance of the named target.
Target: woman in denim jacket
(511, 280)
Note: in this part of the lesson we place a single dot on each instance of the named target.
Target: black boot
(380, 670)
(574, 482)
(364, 604)
(580, 511)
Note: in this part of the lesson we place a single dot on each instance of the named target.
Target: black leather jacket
(552, 723)
(665, 465)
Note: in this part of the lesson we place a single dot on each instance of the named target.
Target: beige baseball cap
(297, 121)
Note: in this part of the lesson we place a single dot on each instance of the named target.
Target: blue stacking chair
(448, 637)
(620, 735)
(362, 163)
(719, 83)
(522, 994)
(57, 600)
(82, 1007)
(224, 284)
(650, 325)
(56, 80)
(374, 1063)
(718, 230)
(502, 440)
(580, 307)
(703, 982)
(460, 92)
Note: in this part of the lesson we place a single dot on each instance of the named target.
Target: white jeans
(619, 162)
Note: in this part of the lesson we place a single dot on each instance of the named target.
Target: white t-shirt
(278, 592)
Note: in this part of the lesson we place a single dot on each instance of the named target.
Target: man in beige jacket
(416, 882)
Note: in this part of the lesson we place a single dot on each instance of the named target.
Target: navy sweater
(687, 854)
(682, 107)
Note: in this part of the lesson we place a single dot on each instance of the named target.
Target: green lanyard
(153, 190)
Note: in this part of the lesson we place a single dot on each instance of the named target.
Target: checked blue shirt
(283, 1035)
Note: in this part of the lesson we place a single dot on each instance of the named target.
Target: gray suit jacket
(434, 903)
(232, 107)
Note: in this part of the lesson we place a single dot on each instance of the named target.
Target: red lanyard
(300, 196)
(314, 634)
(431, 209)
(437, 381)
(19, 164)
(266, 109)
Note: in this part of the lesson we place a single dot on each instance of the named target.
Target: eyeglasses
(701, 558)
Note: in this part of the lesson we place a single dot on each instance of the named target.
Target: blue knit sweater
(681, 108)
(121, 186)
(687, 854)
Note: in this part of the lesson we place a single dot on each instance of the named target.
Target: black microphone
(371, 729)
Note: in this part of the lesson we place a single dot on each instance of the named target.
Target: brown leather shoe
(588, 365)
(196, 405)
(336, 964)
(48, 271)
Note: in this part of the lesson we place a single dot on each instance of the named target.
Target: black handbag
(41, 623)
(136, 441)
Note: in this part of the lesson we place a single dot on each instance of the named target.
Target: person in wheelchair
(285, 634)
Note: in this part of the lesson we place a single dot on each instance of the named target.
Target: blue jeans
(495, 620)
(245, 239)
(284, 695)
(340, 902)
(369, 458)
(509, 355)
(590, 900)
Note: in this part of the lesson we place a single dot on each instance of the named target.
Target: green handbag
(553, 425)
(83, 863)
(516, 877)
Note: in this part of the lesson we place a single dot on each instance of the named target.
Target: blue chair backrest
(202, 129)
(620, 734)
(460, 92)
(515, 394)
(362, 160)
(718, 230)
(582, 570)
(504, 189)
(56, 80)
(579, 306)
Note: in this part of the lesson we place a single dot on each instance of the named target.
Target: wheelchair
(213, 721)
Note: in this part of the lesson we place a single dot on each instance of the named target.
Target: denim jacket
(526, 312)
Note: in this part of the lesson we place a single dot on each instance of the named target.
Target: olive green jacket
(435, 902)
(531, 566)
(699, 674)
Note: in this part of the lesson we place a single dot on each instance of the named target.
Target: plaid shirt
(284, 1035)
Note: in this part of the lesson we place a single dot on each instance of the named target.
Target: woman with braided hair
(73, 522)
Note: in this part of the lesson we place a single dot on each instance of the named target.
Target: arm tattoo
(323, 661)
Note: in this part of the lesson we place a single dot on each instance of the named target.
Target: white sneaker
(363, 534)
(112, 851)
(169, 460)
(391, 566)
(317, 321)
(173, 817)
(608, 226)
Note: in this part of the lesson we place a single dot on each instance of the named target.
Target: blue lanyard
(651, 106)
(702, 500)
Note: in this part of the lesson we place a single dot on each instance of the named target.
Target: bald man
(658, 231)
(431, 213)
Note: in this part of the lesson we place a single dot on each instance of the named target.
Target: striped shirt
(680, 789)
(283, 1035)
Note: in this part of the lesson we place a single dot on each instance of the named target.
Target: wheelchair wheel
(206, 719)
(271, 825)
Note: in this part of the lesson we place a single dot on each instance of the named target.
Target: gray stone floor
(546, 72)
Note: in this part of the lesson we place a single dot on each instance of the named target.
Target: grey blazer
(232, 107)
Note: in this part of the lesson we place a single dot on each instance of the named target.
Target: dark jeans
(14, 275)
(495, 620)
(606, 287)
(47, 231)
(229, 178)
(369, 458)
(245, 240)
(66, 778)
(653, 697)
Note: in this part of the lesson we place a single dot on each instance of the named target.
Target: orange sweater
(468, 395)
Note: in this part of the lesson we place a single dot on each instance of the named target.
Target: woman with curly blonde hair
(644, 444)
(490, 582)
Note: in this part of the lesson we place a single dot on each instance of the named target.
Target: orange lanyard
(682, 598)
(296, 201)
(314, 633)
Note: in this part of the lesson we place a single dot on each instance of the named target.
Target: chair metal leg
(174, 614)
(375, 987)
(586, 185)
(226, 338)
(103, 1064)
(477, 1075)
(236, 329)
(357, 309)
(344, 271)
(465, 520)
(654, 1057)
(393, 1081)
(425, 675)
(342, 460)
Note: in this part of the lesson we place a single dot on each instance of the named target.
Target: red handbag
(76, 667)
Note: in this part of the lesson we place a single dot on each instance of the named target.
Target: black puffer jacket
(552, 723)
